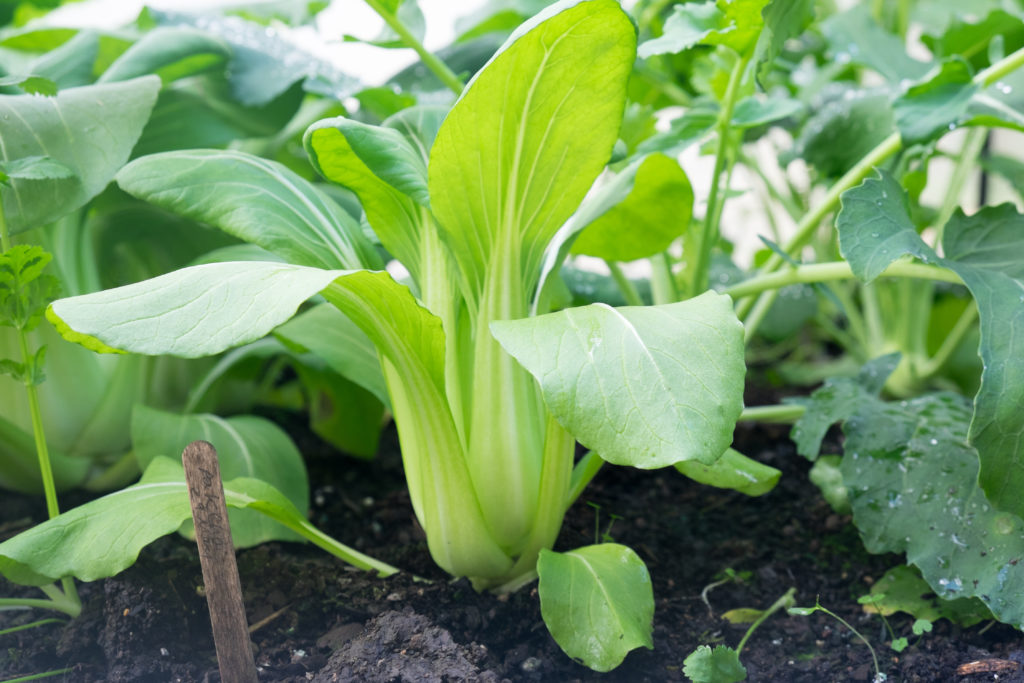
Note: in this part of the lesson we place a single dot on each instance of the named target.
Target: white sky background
(370, 64)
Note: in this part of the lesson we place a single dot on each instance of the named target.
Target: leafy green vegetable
(247, 446)
(611, 408)
(597, 602)
(90, 130)
(77, 543)
(913, 485)
(986, 251)
(735, 471)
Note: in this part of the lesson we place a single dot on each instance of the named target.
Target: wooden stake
(217, 556)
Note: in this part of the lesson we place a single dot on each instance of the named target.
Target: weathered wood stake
(217, 556)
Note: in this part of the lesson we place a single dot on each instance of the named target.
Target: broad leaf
(987, 251)
(597, 603)
(733, 471)
(341, 412)
(783, 21)
(385, 171)
(902, 589)
(19, 465)
(254, 199)
(656, 212)
(100, 538)
(71, 64)
(247, 446)
(844, 129)
(264, 64)
(757, 111)
(854, 36)
(192, 312)
(688, 25)
(642, 386)
(90, 130)
(935, 105)
(913, 485)
(346, 349)
(104, 537)
(509, 164)
(171, 53)
(875, 228)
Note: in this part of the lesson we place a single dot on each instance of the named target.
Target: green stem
(440, 69)
(811, 220)
(753, 320)
(34, 624)
(36, 677)
(964, 165)
(785, 601)
(835, 270)
(582, 474)
(663, 282)
(626, 285)
(64, 604)
(963, 325)
(880, 153)
(784, 413)
(709, 228)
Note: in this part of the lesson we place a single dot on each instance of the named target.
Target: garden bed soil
(314, 619)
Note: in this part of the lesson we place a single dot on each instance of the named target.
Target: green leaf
(264, 64)
(386, 172)
(987, 251)
(509, 165)
(721, 665)
(25, 290)
(642, 386)
(410, 15)
(346, 349)
(656, 212)
(192, 312)
(254, 199)
(825, 474)
(875, 228)
(854, 36)
(91, 130)
(902, 589)
(936, 104)
(836, 400)
(733, 471)
(99, 539)
(844, 129)
(913, 485)
(247, 446)
(171, 53)
(688, 25)
(597, 603)
(756, 111)
(79, 542)
(340, 412)
(71, 64)
(19, 465)
(34, 168)
(783, 21)
(33, 85)
(969, 35)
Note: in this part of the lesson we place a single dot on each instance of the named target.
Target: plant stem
(65, 605)
(811, 220)
(34, 624)
(785, 601)
(663, 282)
(784, 413)
(835, 270)
(582, 474)
(964, 164)
(880, 153)
(36, 677)
(440, 69)
(626, 285)
(709, 227)
(963, 325)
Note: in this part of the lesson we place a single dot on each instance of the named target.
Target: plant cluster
(232, 222)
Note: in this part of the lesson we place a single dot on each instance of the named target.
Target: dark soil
(314, 619)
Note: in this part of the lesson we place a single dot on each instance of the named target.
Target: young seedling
(807, 611)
